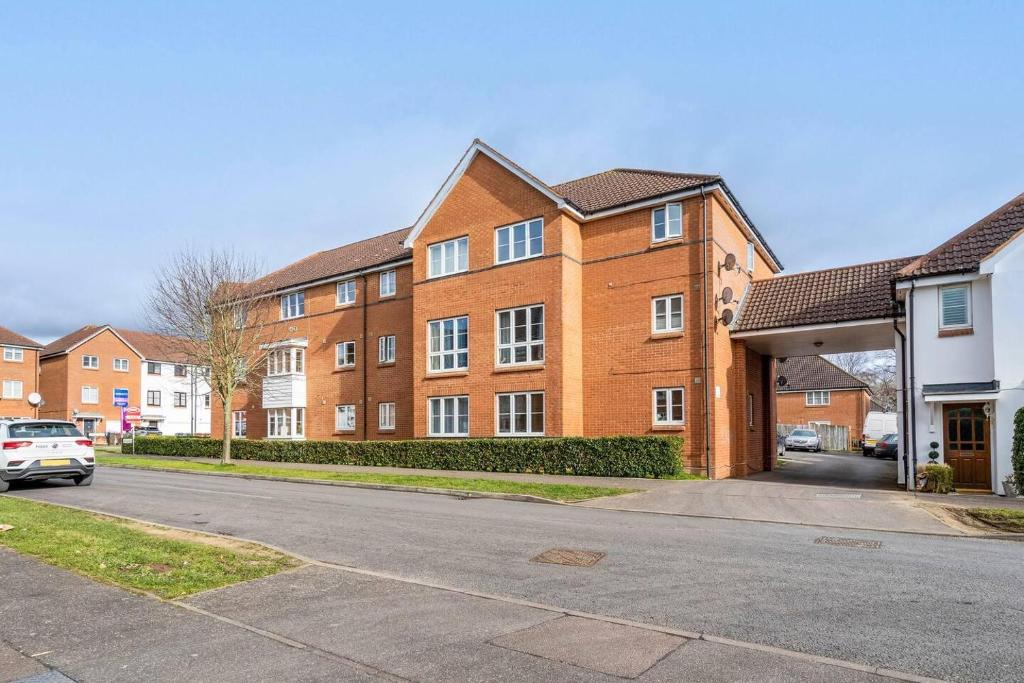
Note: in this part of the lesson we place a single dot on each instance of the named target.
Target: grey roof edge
(961, 388)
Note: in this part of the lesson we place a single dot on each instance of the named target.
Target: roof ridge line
(834, 268)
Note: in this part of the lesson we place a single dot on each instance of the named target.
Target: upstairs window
(288, 361)
(386, 349)
(750, 257)
(448, 344)
(90, 394)
(346, 292)
(346, 354)
(153, 398)
(520, 241)
(153, 368)
(667, 222)
(180, 371)
(387, 283)
(955, 306)
(667, 313)
(180, 399)
(293, 305)
(521, 335)
(13, 354)
(448, 257)
(91, 362)
(121, 364)
(818, 398)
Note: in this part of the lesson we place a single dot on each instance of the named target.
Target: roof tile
(620, 186)
(12, 338)
(808, 373)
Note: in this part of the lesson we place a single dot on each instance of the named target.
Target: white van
(876, 425)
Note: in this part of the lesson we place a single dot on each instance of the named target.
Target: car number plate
(54, 463)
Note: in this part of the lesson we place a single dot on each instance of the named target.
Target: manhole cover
(848, 542)
(572, 558)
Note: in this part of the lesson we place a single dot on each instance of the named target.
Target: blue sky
(849, 131)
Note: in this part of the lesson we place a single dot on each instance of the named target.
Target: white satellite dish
(35, 399)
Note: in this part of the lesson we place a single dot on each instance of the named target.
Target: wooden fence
(833, 437)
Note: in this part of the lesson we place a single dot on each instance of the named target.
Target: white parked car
(803, 440)
(31, 450)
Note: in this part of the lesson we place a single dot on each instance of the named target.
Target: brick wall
(847, 408)
(25, 371)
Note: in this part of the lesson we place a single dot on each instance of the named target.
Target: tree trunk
(225, 453)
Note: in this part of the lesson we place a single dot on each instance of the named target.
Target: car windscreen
(802, 432)
(41, 430)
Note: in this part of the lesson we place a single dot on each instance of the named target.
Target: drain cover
(848, 542)
(571, 558)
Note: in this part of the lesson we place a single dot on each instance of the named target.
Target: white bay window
(286, 423)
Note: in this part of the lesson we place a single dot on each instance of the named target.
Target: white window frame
(530, 397)
(286, 423)
(13, 354)
(530, 344)
(239, 424)
(287, 360)
(93, 392)
(121, 361)
(12, 389)
(386, 416)
(293, 305)
(90, 362)
(388, 284)
(817, 397)
(345, 418)
(441, 353)
(668, 298)
(750, 258)
(968, 313)
(667, 223)
(386, 348)
(668, 391)
(460, 257)
(529, 240)
(341, 353)
(446, 403)
(345, 293)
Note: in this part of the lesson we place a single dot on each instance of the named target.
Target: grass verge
(1003, 519)
(158, 560)
(559, 492)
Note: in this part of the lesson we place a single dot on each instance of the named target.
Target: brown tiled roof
(366, 253)
(806, 373)
(154, 346)
(12, 338)
(71, 339)
(963, 253)
(620, 186)
(858, 292)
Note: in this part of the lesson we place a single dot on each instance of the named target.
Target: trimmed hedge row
(614, 456)
(1017, 457)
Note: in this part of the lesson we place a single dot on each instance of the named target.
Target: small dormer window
(955, 306)
(667, 222)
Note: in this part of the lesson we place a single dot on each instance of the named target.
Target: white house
(961, 361)
(174, 396)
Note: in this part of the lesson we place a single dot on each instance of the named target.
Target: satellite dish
(727, 317)
(727, 295)
(730, 261)
(35, 399)
(781, 380)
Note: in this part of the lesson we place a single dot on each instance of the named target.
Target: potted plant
(933, 454)
(1010, 487)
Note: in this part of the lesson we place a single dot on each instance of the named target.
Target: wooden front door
(968, 445)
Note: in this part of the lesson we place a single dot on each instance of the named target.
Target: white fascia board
(958, 398)
(460, 169)
(937, 280)
(4, 345)
(1003, 251)
(811, 328)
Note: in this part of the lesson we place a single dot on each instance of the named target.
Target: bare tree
(877, 369)
(857, 363)
(199, 299)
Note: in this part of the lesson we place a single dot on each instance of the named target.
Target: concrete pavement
(916, 603)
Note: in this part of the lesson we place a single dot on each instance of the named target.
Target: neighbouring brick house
(19, 373)
(819, 392)
(597, 306)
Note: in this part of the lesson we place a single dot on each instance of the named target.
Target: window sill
(666, 242)
(385, 430)
(674, 334)
(957, 332)
(523, 367)
(350, 304)
(669, 428)
(344, 432)
(347, 368)
(386, 296)
(386, 364)
(447, 436)
(286, 438)
(441, 374)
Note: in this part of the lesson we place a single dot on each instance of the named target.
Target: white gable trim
(476, 148)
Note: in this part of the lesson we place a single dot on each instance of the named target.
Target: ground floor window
(449, 416)
(386, 416)
(238, 424)
(286, 423)
(668, 406)
(345, 418)
(521, 414)
(153, 398)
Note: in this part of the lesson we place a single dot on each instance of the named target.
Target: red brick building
(593, 307)
(19, 374)
(819, 392)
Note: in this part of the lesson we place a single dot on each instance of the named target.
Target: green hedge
(1018, 450)
(615, 456)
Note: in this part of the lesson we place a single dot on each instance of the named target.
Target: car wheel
(4, 485)
(83, 481)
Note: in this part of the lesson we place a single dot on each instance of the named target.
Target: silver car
(44, 449)
(803, 440)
